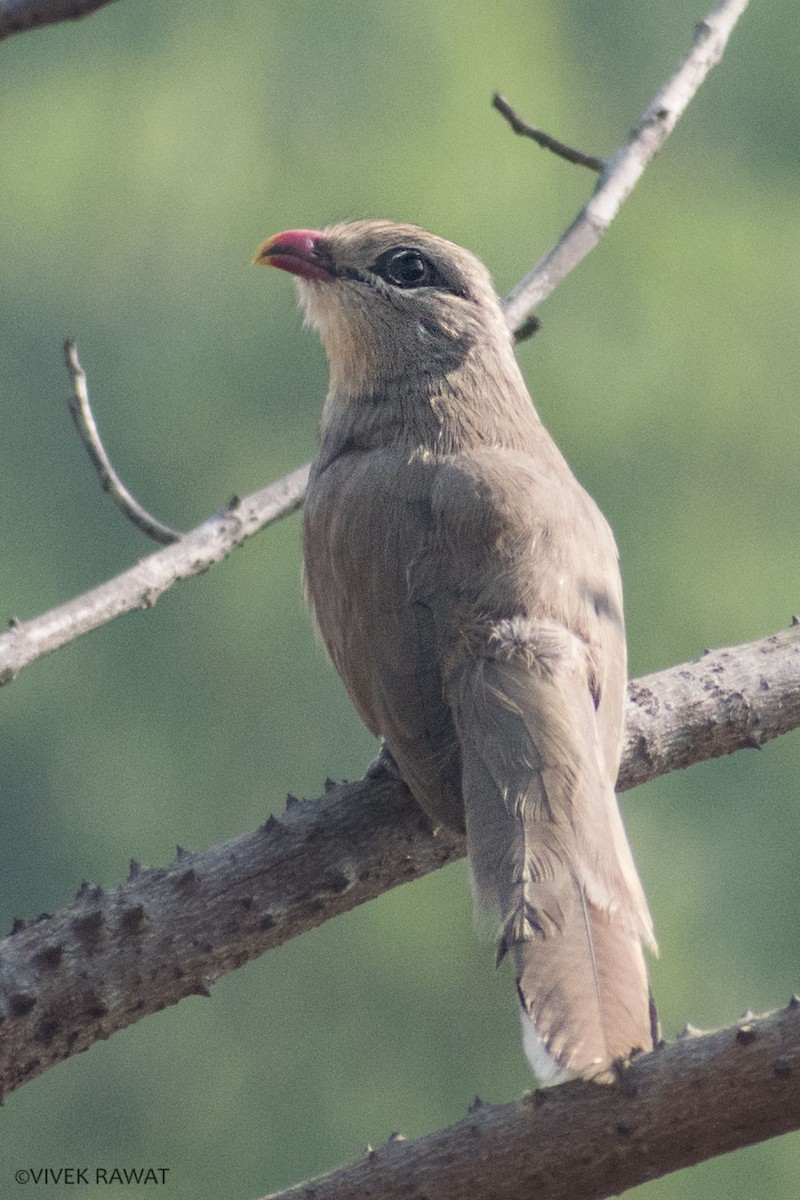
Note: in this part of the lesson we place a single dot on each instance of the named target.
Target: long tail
(550, 862)
(583, 992)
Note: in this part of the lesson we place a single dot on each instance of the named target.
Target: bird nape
(468, 591)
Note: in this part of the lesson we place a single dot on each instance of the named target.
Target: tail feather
(584, 991)
(550, 863)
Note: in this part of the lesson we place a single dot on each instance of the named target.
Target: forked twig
(621, 171)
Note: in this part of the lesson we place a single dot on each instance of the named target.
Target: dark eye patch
(408, 267)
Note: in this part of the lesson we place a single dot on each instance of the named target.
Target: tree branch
(701, 1096)
(112, 957)
(140, 586)
(622, 171)
(728, 700)
(212, 541)
(18, 15)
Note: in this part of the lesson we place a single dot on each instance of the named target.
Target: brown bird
(468, 591)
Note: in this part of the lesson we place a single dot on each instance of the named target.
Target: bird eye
(405, 268)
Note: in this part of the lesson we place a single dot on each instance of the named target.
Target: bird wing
(366, 521)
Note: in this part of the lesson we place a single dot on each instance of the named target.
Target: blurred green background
(145, 153)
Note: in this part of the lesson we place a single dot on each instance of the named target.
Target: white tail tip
(544, 1067)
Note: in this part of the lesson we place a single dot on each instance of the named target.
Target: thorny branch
(703, 1095)
(115, 956)
(63, 980)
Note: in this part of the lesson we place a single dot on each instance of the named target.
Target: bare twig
(141, 585)
(623, 170)
(131, 590)
(525, 129)
(114, 956)
(701, 1096)
(19, 15)
(81, 413)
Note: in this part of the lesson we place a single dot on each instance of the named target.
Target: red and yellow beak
(296, 251)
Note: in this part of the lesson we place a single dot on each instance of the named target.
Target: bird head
(390, 301)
